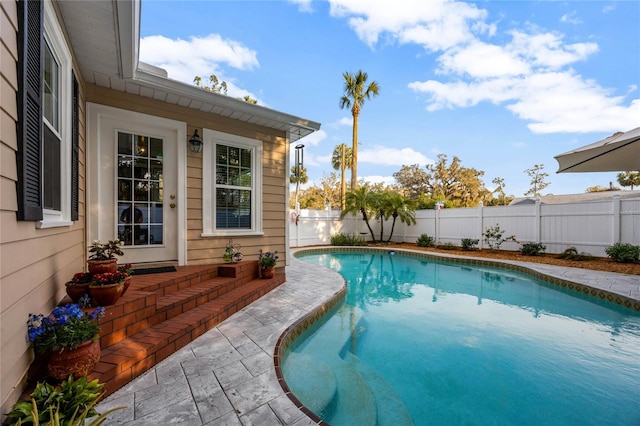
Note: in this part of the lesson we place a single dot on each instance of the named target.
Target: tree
(629, 179)
(298, 179)
(537, 180)
(360, 200)
(400, 207)
(499, 183)
(356, 92)
(342, 159)
(215, 85)
(414, 182)
(459, 185)
(248, 99)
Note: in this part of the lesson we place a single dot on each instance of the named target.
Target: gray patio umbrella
(619, 152)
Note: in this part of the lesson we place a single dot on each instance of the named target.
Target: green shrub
(425, 241)
(469, 243)
(624, 253)
(494, 237)
(533, 249)
(69, 404)
(347, 240)
(572, 254)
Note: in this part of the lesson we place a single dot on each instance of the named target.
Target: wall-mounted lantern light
(195, 143)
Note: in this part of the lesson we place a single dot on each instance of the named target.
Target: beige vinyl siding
(274, 181)
(34, 263)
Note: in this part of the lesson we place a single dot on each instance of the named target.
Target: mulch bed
(596, 263)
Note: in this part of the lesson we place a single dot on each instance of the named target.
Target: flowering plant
(127, 268)
(109, 278)
(81, 278)
(67, 327)
(268, 259)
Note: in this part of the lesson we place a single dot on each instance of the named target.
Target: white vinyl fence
(590, 227)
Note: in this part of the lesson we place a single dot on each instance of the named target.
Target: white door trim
(95, 115)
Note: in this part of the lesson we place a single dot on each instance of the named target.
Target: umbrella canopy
(619, 152)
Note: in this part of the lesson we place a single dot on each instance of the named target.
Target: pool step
(390, 409)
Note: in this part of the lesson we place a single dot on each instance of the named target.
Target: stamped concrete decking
(227, 376)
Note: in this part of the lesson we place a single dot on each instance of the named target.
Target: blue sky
(503, 85)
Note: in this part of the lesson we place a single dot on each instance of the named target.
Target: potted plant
(103, 256)
(78, 286)
(70, 338)
(106, 288)
(267, 262)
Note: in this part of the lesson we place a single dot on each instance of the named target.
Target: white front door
(135, 184)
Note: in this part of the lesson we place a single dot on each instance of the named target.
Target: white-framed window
(57, 127)
(231, 185)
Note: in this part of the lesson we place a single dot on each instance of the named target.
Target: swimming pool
(421, 341)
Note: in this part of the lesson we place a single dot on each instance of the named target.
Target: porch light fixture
(195, 143)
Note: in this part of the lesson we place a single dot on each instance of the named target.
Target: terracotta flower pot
(106, 294)
(102, 266)
(125, 286)
(77, 362)
(269, 272)
(76, 290)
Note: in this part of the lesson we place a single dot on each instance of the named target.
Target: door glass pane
(140, 185)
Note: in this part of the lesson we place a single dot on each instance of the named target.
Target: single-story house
(576, 198)
(95, 145)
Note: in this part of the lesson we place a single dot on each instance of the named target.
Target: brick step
(150, 300)
(128, 358)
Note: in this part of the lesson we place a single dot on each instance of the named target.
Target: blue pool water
(425, 342)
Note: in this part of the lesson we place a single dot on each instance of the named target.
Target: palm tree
(341, 160)
(400, 207)
(359, 201)
(355, 93)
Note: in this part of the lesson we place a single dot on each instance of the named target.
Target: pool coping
(291, 333)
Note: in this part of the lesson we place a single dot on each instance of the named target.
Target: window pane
(124, 190)
(155, 148)
(51, 89)
(246, 158)
(125, 166)
(233, 209)
(125, 143)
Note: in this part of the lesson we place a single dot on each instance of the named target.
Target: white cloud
(373, 179)
(304, 6)
(391, 156)
(345, 121)
(202, 56)
(482, 60)
(313, 139)
(571, 18)
(436, 25)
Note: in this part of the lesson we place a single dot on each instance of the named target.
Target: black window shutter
(75, 142)
(29, 155)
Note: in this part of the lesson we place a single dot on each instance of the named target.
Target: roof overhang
(105, 36)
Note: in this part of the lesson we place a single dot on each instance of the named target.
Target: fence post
(616, 220)
(436, 226)
(538, 209)
(481, 224)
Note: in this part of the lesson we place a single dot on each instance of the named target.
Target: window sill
(53, 224)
